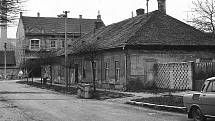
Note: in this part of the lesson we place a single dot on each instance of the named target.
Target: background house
(127, 53)
(39, 37)
(11, 69)
(10, 52)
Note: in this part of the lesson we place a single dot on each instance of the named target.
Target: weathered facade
(134, 52)
(127, 52)
(119, 69)
(38, 37)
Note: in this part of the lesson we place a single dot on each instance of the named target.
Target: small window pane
(117, 70)
(95, 68)
(106, 70)
(63, 43)
(35, 44)
(53, 43)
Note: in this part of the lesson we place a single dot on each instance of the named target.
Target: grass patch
(57, 88)
(99, 94)
(102, 95)
(170, 100)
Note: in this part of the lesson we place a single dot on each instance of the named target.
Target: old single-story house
(125, 53)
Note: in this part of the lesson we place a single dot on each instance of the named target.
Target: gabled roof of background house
(155, 28)
(10, 58)
(56, 25)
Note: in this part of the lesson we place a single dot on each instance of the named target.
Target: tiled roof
(10, 58)
(112, 36)
(165, 30)
(56, 25)
(155, 28)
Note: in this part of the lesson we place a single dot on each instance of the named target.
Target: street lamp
(5, 61)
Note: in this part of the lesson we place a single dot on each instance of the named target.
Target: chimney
(162, 6)
(99, 16)
(140, 11)
(80, 16)
(38, 14)
(20, 14)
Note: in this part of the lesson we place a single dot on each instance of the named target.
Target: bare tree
(91, 56)
(9, 9)
(203, 15)
(89, 48)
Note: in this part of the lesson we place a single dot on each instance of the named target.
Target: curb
(159, 107)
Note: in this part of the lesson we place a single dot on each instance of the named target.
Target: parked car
(201, 105)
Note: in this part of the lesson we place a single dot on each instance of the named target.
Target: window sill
(34, 49)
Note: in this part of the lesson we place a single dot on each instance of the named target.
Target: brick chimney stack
(162, 6)
(80, 16)
(20, 14)
(140, 11)
(99, 17)
(38, 14)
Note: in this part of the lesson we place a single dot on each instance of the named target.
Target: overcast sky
(112, 11)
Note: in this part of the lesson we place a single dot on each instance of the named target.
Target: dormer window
(34, 44)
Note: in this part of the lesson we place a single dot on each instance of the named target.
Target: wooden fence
(202, 71)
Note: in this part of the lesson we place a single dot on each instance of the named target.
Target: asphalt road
(20, 102)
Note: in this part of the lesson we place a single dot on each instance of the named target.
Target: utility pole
(65, 49)
(5, 61)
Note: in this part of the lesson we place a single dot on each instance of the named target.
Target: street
(20, 102)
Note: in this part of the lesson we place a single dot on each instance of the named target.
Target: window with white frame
(117, 71)
(107, 70)
(34, 44)
(53, 43)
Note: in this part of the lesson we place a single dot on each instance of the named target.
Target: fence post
(171, 79)
(193, 75)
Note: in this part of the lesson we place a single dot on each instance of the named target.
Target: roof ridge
(135, 23)
(57, 24)
(57, 18)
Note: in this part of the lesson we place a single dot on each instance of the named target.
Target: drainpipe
(125, 59)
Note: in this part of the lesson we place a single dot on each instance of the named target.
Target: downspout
(125, 64)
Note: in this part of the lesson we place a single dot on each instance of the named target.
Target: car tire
(197, 115)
